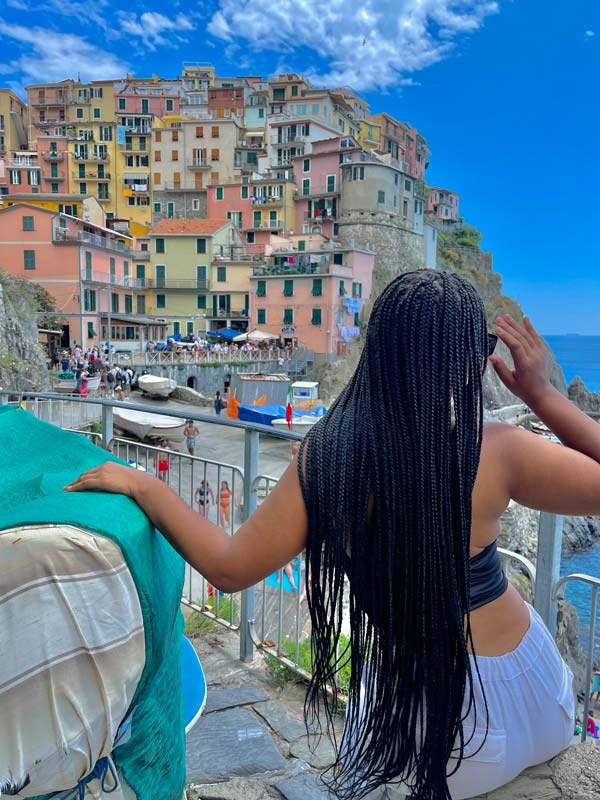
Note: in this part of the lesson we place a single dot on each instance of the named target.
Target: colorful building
(402, 142)
(312, 292)
(442, 204)
(189, 279)
(86, 268)
(13, 124)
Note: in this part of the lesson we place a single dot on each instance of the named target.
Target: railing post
(247, 604)
(550, 529)
(106, 426)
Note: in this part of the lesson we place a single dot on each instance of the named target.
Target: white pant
(531, 707)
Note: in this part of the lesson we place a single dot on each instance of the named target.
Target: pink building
(20, 173)
(443, 204)
(312, 293)
(318, 184)
(89, 270)
(138, 100)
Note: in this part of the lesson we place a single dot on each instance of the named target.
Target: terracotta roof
(189, 227)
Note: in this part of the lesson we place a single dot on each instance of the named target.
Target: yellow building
(87, 207)
(369, 135)
(273, 205)
(195, 279)
(13, 124)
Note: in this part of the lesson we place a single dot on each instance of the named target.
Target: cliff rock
(22, 360)
(584, 399)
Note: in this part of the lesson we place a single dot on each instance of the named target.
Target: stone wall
(183, 206)
(22, 361)
(206, 379)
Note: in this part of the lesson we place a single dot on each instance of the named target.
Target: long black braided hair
(387, 478)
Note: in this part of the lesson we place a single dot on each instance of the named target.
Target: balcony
(269, 224)
(51, 155)
(104, 199)
(53, 178)
(143, 129)
(303, 267)
(91, 157)
(66, 236)
(318, 190)
(168, 186)
(295, 139)
(199, 163)
(91, 176)
(267, 201)
(324, 215)
(140, 255)
(124, 281)
(137, 188)
(185, 284)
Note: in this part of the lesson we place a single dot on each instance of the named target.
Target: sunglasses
(492, 342)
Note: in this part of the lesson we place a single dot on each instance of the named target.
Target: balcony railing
(266, 614)
(199, 163)
(51, 155)
(267, 201)
(91, 157)
(269, 224)
(317, 189)
(31, 163)
(189, 284)
(53, 178)
(323, 216)
(291, 270)
(277, 141)
(124, 281)
(64, 235)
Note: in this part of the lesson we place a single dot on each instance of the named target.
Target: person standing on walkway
(225, 497)
(218, 402)
(456, 685)
(191, 433)
(163, 461)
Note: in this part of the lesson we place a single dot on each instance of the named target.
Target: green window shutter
(201, 245)
(113, 269)
(215, 306)
(317, 287)
(101, 172)
(141, 304)
(306, 186)
(81, 171)
(90, 330)
(129, 304)
(88, 265)
(357, 319)
(257, 219)
(273, 218)
(261, 316)
(342, 288)
(176, 328)
(29, 259)
(157, 208)
(261, 288)
(121, 104)
(219, 193)
(288, 316)
(161, 274)
(79, 113)
(244, 192)
(54, 170)
(201, 301)
(288, 288)
(96, 113)
(200, 274)
(140, 274)
(161, 301)
(357, 290)
(302, 245)
(126, 269)
(221, 274)
(170, 210)
(227, 303)
(114, 299)
(28, 224)
(316, 316)
(306, 165)
(160, 246)
(331, 183)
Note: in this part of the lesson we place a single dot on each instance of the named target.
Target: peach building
(443, 204)
(91, 272)
(311, 292)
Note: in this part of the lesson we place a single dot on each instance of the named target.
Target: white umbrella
(255, 336)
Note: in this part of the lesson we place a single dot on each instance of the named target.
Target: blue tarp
(226, 333)
(264, 415)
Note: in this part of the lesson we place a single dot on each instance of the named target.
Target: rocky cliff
(585, 400)
(22, 360)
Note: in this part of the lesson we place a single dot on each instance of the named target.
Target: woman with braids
(456, 686)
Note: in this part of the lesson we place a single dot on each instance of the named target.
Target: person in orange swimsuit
(225, 504)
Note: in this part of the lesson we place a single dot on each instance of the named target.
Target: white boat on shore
(144, 424)
(299, 424)
(67, 385)
(156, 386)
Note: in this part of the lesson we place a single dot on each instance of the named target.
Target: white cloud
(151, 27)
(45, 55)
(365, 43)
(589, 34)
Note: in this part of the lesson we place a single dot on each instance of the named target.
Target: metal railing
(271, 616)
(65, 235)
(191, 356)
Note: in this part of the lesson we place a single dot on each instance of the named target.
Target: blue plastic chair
(194, 684)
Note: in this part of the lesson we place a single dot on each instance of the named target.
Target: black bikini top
(488, 581)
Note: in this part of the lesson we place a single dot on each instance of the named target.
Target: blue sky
(506, 94)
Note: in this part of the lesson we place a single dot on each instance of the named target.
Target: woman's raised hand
(528, 379)
(109, 477)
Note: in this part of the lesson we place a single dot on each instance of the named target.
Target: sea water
(580, 355)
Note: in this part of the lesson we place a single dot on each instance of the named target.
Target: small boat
(299, 424)
(144, 424)
(67, 385)
(156, 386)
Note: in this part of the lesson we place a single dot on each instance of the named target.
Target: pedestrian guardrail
(272, 615)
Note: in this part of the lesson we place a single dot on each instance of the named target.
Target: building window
(122, 104)
(201, 301)
(33, 177)
(80, 171)
(114, 301)
(54, 188)
(169, 105)
(317, 287)
(358, 173)
(15, 176)
(141, 304)
(222, 274)
(219, 193)
(195, 204)
(306, 186)
(405, 208)
(89, 299)
(316, 316)
(199, 132)
(294, 90)
(357, 290)
(200, 275)
(174, 155)
(381, 196)
(288, 316)
(342, 289)
(261, 288)
(215, 132)
(96, 113)
(28, 224)
(160, 246)
(331, 183)
(408, 185)
(161, 300)
(201, 245)
(79, 113)
(338, 258)
(261, 316)
(244, 192)
(129, 304)
(288, 288)
(83, 188)
(306, 165)
(176, 328)
(90, 330)
(157, 208)
(29, 259)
